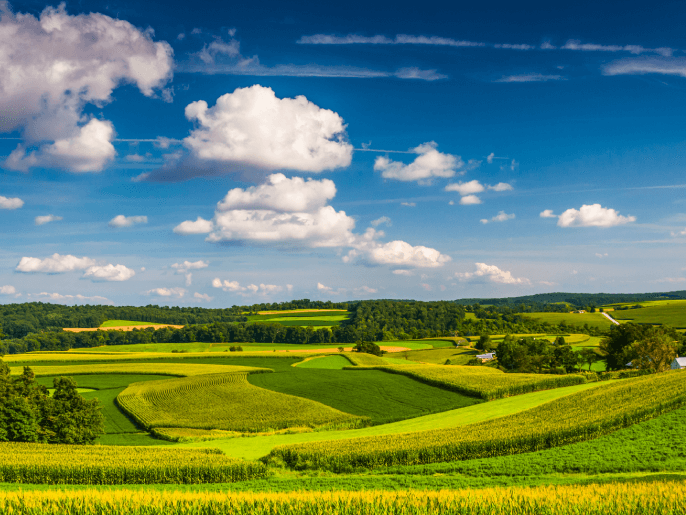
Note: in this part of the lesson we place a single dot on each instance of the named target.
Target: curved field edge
(163, 369)
(116, 465)
(227, 402)
(485, 383)
(254, 448)
(574, 418)
(617, 499)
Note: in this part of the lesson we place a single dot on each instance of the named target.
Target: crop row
(114, 465)
(225, 401)
(580, 416)
(171, 369)
(610, 499)
(486, 383)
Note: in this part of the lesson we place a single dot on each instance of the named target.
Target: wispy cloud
(530, 77)
(644, 65)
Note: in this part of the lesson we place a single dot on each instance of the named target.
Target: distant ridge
(578, 299)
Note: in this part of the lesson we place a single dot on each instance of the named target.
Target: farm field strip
(486, 383)
(574, 319)
(668, 312)
(169, 369)
(582, 416)
(225, 401)
(119, 328)
(119, 323)
(107, 465)
(254, 448)
(608, 499)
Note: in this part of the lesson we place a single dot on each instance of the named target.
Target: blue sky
(236, 154)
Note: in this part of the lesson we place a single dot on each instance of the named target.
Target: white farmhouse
(486, 357)
(679, 364)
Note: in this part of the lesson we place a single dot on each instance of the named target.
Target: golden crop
(576, 417)
(611, 499)
(111, 465)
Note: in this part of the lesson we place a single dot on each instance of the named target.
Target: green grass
(378, 395)
(644, 447)
(325, 362)
(253, 448)
(154, 347)
(664, 312)
(118, 323)
(575, 319)
(438, 356)
(409, 344)
(212, 347)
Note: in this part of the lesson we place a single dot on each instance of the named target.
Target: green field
(573, 319)
(663, 312)
(119, 323)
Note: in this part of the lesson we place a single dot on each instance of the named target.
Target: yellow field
(167, 369)
(635, 498)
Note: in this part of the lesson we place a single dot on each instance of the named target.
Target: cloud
(365, 290)
(7, 290)
(40, 220)
(58, 297)
(645, 65)
(469, 200)
(127, 221)
(530, 77)
(501, 186)
(601, 255)
(466, 188)
(403, 272)
(182, 268)
(294, 212)
(51, 67)
(10, 203)
(491, 273)
(400, 39)
(502, 216)
(408, 204)
(202, 296)
(548, 213)
(321, 287)
(54, 264)
(167, 292)
(250, 289)
(200, 226)
(429, 164)
(490, 157)
(57, 264)
(593, 215)
(109, 273)
(574, 44)
(383, 220)
(252, 129)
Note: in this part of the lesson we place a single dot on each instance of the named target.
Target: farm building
(486, 357)
(679, 364)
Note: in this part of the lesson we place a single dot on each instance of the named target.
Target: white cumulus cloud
(202, 296)
(10, 203)
(51, 67)
(40, 220)
(593, 215)
(466, 188)
(182, 268)
(491, 273)
(127, 221)
(108, 273)
(167, 292)
(548, 213)
(383, 220)
(253, 129)
(295, 213)
(250, 289)
(7, 290)
(54, 264)
(58, 297)
(469, 200)
(429, 164)
(502, 216)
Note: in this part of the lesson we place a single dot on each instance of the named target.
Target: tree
(369, 348)
(655, 353)
(565, 356)
(589, 356)
(484, 342)
(621, 336)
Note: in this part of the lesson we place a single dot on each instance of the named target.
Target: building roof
(681, 361)
(489, 355)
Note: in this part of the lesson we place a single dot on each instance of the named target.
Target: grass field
(254, 448)
(378, 395)
(117, 323)
(579, 417)
(663, 312)
(574, 319)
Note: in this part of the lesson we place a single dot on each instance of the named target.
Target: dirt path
(610, 318)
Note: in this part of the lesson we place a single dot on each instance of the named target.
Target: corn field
(486, 383)
(225, 401)
(171, 369)
(113, 465)
(580, 416)
(612, 499)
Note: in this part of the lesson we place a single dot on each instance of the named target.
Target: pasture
(659, 312)
(573, 319)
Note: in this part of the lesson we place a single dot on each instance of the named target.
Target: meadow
(574, 319)
(662, 312)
